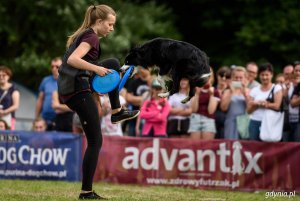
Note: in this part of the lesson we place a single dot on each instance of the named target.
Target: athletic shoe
(124, 115)
(90, 196)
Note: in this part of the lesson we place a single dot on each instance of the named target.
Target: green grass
(22, 190)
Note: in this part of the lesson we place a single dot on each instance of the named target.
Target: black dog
(175, 59)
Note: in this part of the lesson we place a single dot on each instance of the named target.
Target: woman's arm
(147, 113)
(57, 106)
(225, 101)
(213, 101)
(251, 104)
(195, 100)
(75, 60)
(277, 101)
(295, 101)
(15, 103)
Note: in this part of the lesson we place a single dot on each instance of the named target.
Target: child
(79, 63)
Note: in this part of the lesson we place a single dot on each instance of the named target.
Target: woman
(74, 89)
(155, 112)
(257, 101)
(204, 105)
(233, 102)
(178, 121)
(9, 97)
(64, 115)
(223, 82)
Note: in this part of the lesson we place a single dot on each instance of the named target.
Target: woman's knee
(111, 63)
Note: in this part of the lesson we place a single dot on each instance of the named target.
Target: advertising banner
(48, 155)
(217, 164)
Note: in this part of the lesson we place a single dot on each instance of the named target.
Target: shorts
(201, 123)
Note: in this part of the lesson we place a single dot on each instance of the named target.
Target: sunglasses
(222, 75)
(54, 66)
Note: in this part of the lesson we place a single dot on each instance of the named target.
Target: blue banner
(47, 156)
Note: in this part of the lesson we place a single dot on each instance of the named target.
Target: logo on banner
(9, 138)
(193, 160)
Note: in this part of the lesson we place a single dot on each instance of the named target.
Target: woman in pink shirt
(155, 113)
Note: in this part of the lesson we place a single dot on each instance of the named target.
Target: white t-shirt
(175, 102)
(107, 127)
(258, 95)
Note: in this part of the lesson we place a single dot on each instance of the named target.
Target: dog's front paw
(164, 95)
(124, 68)
(187, 99)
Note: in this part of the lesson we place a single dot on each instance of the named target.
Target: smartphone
(236, 84)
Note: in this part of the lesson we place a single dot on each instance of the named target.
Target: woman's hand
(2, 113)
(102, 71)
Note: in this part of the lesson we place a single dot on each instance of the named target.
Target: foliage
(238, 31)
(32, 32)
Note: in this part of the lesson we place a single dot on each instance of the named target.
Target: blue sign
(47, 156)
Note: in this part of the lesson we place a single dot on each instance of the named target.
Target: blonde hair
(239, 69)
(92, 14)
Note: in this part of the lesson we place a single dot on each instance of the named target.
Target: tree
(32, 32)
(237, 31)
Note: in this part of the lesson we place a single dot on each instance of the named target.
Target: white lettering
(187, 163)
(150, 150)
(253, 162)
(223, 152)
(131, 161)
(212, 160)
(169, 162)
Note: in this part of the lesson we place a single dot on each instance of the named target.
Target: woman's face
(155, 91)
(3, 77)
(223, 78)
(238, 76)
(297, 71)
(106, 26)
(184, 83)
(266, 77)
(280, 80)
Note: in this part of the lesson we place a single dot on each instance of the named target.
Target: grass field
(22, 190)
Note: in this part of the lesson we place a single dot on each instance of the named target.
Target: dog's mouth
(200, 82)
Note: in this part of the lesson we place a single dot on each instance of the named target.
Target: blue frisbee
(106, 83)
(125, 77)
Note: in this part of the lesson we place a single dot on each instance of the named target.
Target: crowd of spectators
(233, 94)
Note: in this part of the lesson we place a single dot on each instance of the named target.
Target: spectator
(204, 105)
(288, 72)
(64, 115)
(233, 102)
(292, 113)
(155, 112)
(39, 125)
(135, 89)
(252, 69)
(223, 82)
(106, 126)
(178, 121)
(46, 89)
(295, 105)
(76, 125)
(3, 125)
(280, 79)
(296, 72)
(9, 97)
(257, 100)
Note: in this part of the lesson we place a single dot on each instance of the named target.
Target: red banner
(217, 164)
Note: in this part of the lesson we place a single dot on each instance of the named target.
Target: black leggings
(85, 106)
(113, 95)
